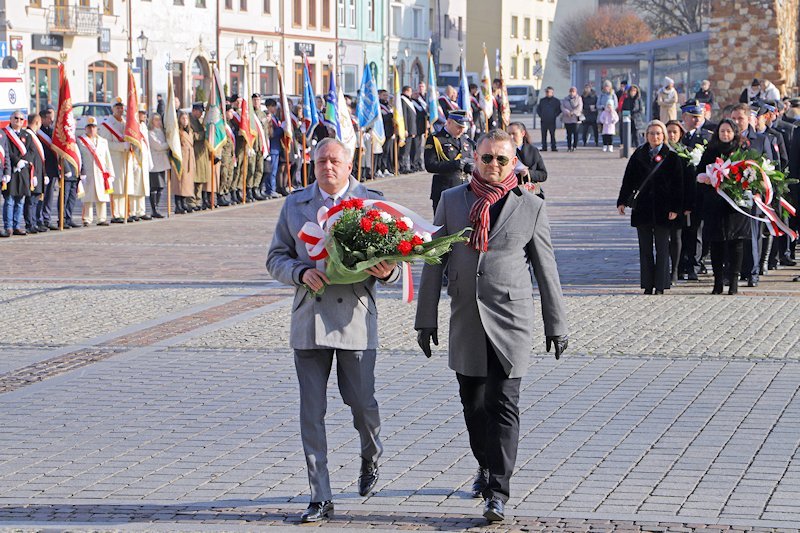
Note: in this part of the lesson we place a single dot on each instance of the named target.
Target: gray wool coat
(344, 316)
(491, 293)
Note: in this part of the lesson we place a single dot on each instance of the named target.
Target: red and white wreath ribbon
(314, 235)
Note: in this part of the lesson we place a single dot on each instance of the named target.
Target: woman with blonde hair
(159, 153)
(653, 188)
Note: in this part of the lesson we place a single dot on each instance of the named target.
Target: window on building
(539, 29)
(513, 67)
(102, 82)
(298, 77)
(36, 3)
(242, 5)
(446, 26)
(200, 3)
(235, 78)
(267, 7)
(350, 78)
(85, 3)
(514, 30)
(526, 29)
(340, 13)
(460, 28)
(44, 83)
(326, 77)
(177, 2)
(108, 7)
(397, 21)
(229, 4)
(549, 30)
(267, 80)
(297, 13)
(526, 69)
(312, 13)
(371, 15)
(417, 14)
(326, 14)
(352, 13)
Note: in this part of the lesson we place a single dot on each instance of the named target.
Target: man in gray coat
(491, 305)
(342, 321)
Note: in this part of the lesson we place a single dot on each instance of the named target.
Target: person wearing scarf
(491, 302)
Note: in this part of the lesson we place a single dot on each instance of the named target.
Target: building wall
(402, 37)
(453, 13)
(358, 41)
(765, 32)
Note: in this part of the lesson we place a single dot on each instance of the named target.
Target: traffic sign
(3, 48)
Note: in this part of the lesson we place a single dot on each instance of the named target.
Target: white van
(522, 98)
(443, 79)
(13, 95)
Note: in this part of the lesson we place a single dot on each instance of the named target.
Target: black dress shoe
(494, 509)
(72, 224)
(317, 511)
(42, 228)
(691, 276)
(20, 232)
(147, 217)
(158, 215)
(659, 291)
(785, 261)
(33, 229)
(480, 483)
(368, 477)
(4, 233)
(753, 281)
(648, 291)
(117, 220)
(103, 223)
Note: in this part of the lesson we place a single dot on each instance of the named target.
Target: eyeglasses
(502, 160)
(17, 118)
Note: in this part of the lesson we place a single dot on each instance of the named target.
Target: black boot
(250, 197)
(258, 195)
(734, 287)
(221, 200)
(179, 207)
(718, 284)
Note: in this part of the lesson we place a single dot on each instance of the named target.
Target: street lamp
(142, 41)
(252, 50)
(537, 78)
(406, 66)
(341, 48)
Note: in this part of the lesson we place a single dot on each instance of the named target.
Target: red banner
(64, 141)
(133, 134)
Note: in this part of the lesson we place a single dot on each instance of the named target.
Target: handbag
(633, 199)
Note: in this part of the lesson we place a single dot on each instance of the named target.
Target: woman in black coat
(529, 157)
(656, 172)
(724, 228)
(633, 103)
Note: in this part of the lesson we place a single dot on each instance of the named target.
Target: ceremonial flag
(487, 101)
(288, 130)
(64, 139)
(133, 133)
(310, 113)
(378, 136)
(433, 92)
(367, 109)
(331, 116)
(505, 108)
(399, 121)
(171, 130)
(348, 133)
(463, 91)
(214, 120)
(246, 128)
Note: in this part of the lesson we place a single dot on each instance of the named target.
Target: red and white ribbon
(315, 235)
(788, 207)
(113, 132)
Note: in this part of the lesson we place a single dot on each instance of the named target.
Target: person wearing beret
(449, 155)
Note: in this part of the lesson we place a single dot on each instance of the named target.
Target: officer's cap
(91, 121)
(198, 105)
(118, 101)
(693, 109)
(459, 116)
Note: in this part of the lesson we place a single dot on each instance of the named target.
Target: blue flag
(463, 99)
(433, 93)
(331, 117)
(310, 112)
(367, 109)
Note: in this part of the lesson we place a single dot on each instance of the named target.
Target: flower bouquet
(694, 155)
(358, 234)
(748, 178)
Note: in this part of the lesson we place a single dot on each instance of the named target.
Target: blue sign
(3, 49)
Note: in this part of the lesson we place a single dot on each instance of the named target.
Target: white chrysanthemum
(386, 217)
(426, 237)
(408, 221)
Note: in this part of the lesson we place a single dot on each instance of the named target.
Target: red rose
(381, 228)
(366, 224)
(358, 203)
(374, 214)
(416, 240)
(402, 226)
(404, 247)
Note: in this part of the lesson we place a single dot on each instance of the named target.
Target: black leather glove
(217, 160)
(560, 341)
(468, 166)
(424, 337)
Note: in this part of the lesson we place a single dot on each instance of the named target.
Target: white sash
(14, 138)
(37, 144)
(45, 138)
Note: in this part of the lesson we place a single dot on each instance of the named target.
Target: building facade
(361, 32)
(449, 31)
(409, 29)
(519, 32)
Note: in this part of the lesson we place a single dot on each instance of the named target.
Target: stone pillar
(752, 39)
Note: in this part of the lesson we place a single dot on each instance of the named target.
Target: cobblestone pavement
(146, 384)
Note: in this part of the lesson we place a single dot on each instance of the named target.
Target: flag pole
(213, 177)
(61, 200)
(372, 157)
(125, 184)
(305, 165)
(169, 191)
(288, 165)
(360, 150)
(396, 168)
(244, 173)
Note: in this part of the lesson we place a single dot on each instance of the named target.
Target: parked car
(443, 79)
(522, 98)
(84, 110)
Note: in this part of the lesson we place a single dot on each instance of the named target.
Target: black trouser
(43, 209)
(417, 153)
(70, 194)
(30, 209)
(548, 127)
(752, 250)
(572, 135)
(491, 411)
(608, 140)
(692, 250)
(675, 249)
(405, 156)
(654, 272)
(726, 259)
(586, 128)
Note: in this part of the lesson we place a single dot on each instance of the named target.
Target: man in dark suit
(692, 233)
(449, 155)
(51, 170)
(491, 303)
(341, 321)
(410, 119)
(16, 184)
(385, 161)
(418, 144)
(548, 110)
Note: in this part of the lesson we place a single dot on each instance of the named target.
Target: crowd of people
(681, 222)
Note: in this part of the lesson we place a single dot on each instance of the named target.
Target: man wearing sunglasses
(449, 155)
(17, 180)
(491, 307)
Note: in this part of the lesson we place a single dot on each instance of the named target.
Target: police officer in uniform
(449, 155)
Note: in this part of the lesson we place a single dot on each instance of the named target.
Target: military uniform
(447, 158)
(255, 164)
(228, 167)
(202, 162)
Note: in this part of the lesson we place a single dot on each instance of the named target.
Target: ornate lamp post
(142, 41)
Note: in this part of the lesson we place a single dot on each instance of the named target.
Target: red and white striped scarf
(488, 193)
